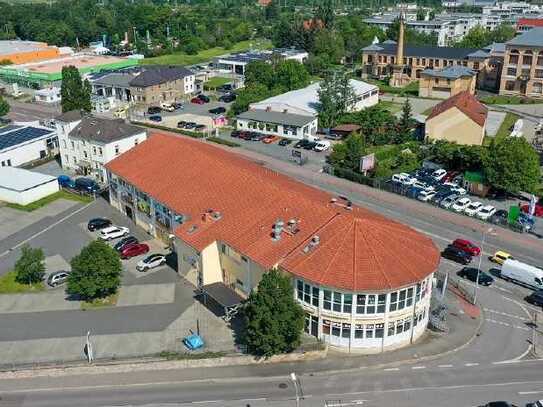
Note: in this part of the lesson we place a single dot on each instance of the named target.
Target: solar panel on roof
(22, 135)
(9, 127)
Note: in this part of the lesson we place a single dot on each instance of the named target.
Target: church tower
(398, 78)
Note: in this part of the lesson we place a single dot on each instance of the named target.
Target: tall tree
(336, 97)
(30, 268)
(4, 107)
(259, 72)
(347, 154)
(405, 124)
(513, 165)
(75, 94)
(325, 12)
(273, 320)
(291, 75)
(96, 272)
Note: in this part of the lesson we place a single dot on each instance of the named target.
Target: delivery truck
(522, 273)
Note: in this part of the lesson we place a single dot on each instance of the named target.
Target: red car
(467, 246)
(197, 100)
(537, 212)
(133, 250)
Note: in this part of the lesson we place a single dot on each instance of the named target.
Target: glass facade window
(325, 327)
(370, 303)
(346, 331)
(327, 300)
(347, 303)
(337, 302)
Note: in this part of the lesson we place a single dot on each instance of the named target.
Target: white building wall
(23, 153)
(30, 195)
(188, 83)
(308, 131)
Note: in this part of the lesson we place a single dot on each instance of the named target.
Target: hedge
(356, 177)
(223, 142)
(194, 134)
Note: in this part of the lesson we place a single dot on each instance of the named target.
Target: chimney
(277, 230)
(285, 110)
(268, 108)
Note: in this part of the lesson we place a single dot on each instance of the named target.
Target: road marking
(530, 392)
(505, 314)
(35, 235)
(471, 364)
(418, 367)
(207, 401)
(497, 287)
(391, 369)
(520, 305)
(517, 359)
(258, 399)
(444, 366)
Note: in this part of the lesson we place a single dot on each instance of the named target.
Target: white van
(522, 273)
(322, 145)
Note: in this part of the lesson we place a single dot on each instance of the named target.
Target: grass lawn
(180, 58)
(216, 81)
(48, 199)
(508, 121)
(391, 106)
(508, 100)
(8, 285)
(109, 301)
(411, 89)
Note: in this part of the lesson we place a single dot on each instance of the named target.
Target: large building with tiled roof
(363, 280)
(460, 119)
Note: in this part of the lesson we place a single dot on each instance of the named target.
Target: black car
(536, 298)
(284, 142)
(153, 110)
(499, 404)
(471, 274)
(181, 124)
(190, 125)
(98, 223)
(217, 110)
(177, 105)
(229, 97)
(301, 143)
(500, 217)
(235, 133)
(86, 185)
(200, 127)
(310, 145)
(257, 136)
(204, 98)
(125, 242)
(457, 255)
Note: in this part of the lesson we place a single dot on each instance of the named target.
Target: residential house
(162, 84)
(287, 125)
(87, 142)
(460, 119)
(446, 82)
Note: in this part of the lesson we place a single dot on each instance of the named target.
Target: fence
(404, 190)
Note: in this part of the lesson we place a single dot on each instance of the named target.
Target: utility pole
(489, 230)
(297, 388)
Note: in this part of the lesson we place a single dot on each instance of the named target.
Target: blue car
(86, 185)
(65, 181)
(155, 118)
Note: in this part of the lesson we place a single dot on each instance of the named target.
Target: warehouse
(23, 187)
(21, 144)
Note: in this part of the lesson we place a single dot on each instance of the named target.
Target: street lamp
(295, 382)
(491, 231)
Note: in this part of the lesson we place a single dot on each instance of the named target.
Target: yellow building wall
(453, 125)
(188, 261)
(241, 275)
(211, 265)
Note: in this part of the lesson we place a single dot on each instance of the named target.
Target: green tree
(248, 95)
(259, 72)
(75, 93)
(347, 154)
(273, 320)
(325, 12)
(30, 268)
(96, 272)
(336, 97)
(378, 124)
(4, 107)
(329, 44)
(513, 165)
(291, 75)
(405, 124)
(5, 62)
(478, 37)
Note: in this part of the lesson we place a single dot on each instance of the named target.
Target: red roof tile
(466, 103)
(530, 22)
(358, 249)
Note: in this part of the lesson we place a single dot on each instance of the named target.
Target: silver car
(151, 261)
(57, 278)
(448, 201)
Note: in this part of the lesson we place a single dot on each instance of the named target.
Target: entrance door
(129, 212)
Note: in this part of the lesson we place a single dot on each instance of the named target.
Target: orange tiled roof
(531, 22)
(358, 249)
(466, 103)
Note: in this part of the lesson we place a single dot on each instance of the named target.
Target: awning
(225, 297)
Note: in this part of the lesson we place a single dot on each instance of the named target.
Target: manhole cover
(283, 385)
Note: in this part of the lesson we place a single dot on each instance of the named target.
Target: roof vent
(285, 110)
(293, 226)
(277, 230)
(192, 229)
(342, 201)
(268, 108)
(313, 243)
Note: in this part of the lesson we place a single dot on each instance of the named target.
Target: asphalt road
(23, 112)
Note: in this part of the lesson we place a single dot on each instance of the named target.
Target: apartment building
(523, 66)
(87, 143)
(446, 82)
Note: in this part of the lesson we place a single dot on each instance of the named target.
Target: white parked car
(439, 174)
(473, 208)
(167, 107)
(459, 190)
(403, 178)
(150, 262)
(425, 196)
(461, 204)
(113, 232)
(448, 201)
(322, 145)
(486, 212)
